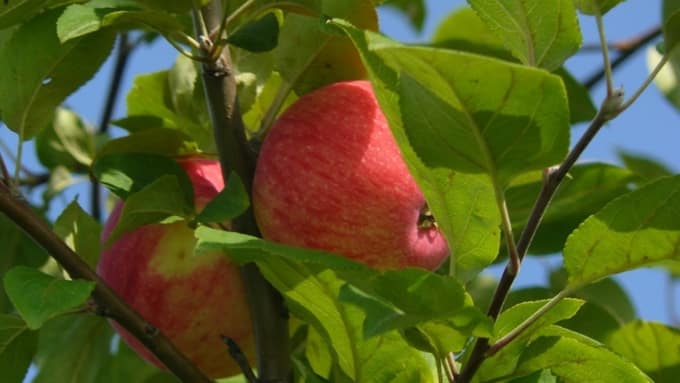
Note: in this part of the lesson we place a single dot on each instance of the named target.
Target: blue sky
(650, 127)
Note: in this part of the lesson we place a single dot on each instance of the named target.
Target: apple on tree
(192, 299)
(330, 176)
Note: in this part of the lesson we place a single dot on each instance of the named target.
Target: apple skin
(330, 176)
(191, 299)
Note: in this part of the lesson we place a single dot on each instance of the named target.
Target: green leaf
(667, 78)
(414, 10)
(308, 57)
(539, 33)
(17, 347)
(448, 118)
(607, 293)
(73, 349)
(671, 24)
(171, 99)
(39, 297)
(311, 291)
(125, 366)
(589, 187)
(160, 201)
(67, 142)
(596, 7)
(464, 30)
(40, 78)
(648, 169)
(513, 316)
(653, 347)
(82, 19)
(543, 376)
(576, 361)
(160, 141)
(80, 232)
(17, 11)
(17, 249)
(259, 35)
(506, 359)
(638, 229)
(176, 6)
(124, 174)
(504, 132)
(229, 203)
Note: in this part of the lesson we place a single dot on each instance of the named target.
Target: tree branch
(268, 311)
(124, 50)
(21, 213)
(551, 181)
(626, 49)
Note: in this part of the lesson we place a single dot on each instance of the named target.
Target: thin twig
(605, 55)
(122, 56)
(626, 49)
(268, 311)
(646, 83)
(240, 359)
(552, 179)
(18, 210)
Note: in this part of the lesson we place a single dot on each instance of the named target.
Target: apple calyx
(426, 219)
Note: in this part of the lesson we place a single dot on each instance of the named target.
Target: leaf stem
(22, 214)
(646, 83)
(517, 331)
(238, 12)
(605, 55)
(268, 311)
(627, 49)
(506, 227)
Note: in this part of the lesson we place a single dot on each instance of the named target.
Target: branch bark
(268, 311)
(21, 213)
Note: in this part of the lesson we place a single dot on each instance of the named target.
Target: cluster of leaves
(478, 113)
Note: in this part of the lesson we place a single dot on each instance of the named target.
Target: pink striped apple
(191, 299)
(330, 176)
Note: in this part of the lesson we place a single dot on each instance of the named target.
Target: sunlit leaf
(653, 347)
(539, 33)
(464, 30)
(638, 229)
(576, 361)
(17, 11)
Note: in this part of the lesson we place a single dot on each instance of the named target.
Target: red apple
(330, 176)
(191, 299)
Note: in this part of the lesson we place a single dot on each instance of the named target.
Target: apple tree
(280, 277)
